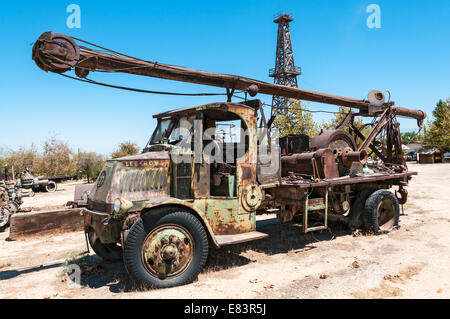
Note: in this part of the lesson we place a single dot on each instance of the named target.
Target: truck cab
(201, 163)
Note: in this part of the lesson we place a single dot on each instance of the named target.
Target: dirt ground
(411, 262)
(63, 194)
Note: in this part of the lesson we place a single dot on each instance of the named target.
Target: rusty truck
(161, 214)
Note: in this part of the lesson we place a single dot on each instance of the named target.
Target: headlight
(117, 205)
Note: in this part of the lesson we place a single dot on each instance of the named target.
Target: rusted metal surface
(224, 240)
(225, 197)
(349, 157)
(402, 195)
(380, 177)
(58, 53)
(304, 164)
(167, 251)
(337, 140)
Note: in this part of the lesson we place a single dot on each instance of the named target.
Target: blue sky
(338, 53)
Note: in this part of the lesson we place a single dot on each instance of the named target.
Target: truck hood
(133, 178)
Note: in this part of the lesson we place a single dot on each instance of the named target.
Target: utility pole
(285, 72)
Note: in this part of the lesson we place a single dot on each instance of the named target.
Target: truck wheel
(51, 187)
(358, 216)
(383, 211)
(168, 252)
(108, 252)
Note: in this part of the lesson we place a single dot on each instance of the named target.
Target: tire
(51, 187)
(5, 216)
(383, 211)
(149, 250)
(108, 252)
(358, 216)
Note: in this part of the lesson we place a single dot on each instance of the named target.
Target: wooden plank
(45, 222)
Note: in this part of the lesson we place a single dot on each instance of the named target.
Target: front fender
(175, 202)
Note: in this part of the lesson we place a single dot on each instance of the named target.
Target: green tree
(409, 137)
(125, 149)
(88, 164)
(338, 117)
(438, 132)
(297, 120)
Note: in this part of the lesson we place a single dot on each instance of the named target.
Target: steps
(312, 205)
(224, 240)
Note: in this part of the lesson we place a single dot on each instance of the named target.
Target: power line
(140, 90)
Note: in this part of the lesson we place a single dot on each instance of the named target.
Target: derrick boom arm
(60, 53)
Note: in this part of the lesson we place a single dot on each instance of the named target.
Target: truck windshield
(161, 131)
(172, 130)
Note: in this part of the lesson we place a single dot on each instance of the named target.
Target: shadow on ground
(9, 274)
(283, 238)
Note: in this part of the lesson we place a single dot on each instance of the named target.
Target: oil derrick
(285, 72)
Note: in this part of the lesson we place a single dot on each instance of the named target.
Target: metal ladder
(307, 208)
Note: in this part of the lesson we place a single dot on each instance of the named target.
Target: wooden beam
(45, 222)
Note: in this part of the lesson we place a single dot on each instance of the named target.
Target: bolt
(172, 238)
(164, 241)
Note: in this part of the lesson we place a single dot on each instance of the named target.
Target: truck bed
(347, 180)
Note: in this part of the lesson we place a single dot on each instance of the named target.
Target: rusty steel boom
(59, 53)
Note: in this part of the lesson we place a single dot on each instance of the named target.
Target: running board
(224, 240)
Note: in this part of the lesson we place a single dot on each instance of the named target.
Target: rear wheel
(383, 211)
(358, 216)
(168, 252)
(108, 252)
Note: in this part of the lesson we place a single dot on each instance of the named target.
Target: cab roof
(216, 110)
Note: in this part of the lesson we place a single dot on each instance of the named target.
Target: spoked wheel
(51, 187)
(384, 211)
(108, 252)
(167, 253)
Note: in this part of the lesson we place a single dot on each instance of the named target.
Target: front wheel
(168, 252)
(108, 252)
(383, 211)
